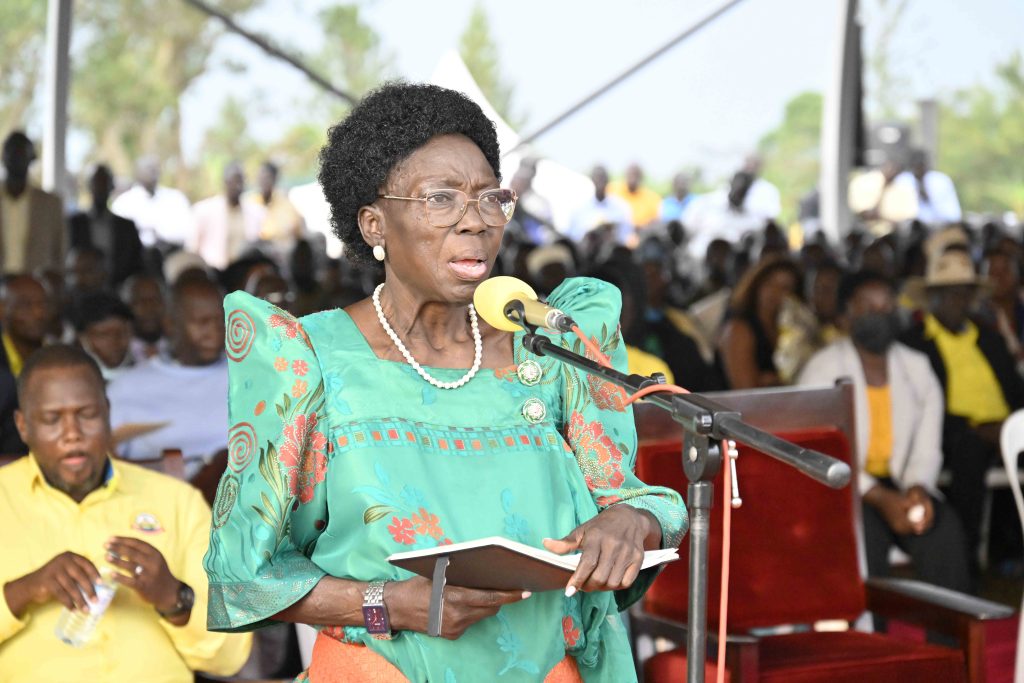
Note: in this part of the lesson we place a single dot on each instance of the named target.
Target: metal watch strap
(374, 594)
(375, 613)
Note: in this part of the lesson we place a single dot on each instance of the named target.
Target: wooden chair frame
(953, 614)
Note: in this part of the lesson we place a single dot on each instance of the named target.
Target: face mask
(875, 332)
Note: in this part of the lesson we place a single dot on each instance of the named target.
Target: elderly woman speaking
(405, 422)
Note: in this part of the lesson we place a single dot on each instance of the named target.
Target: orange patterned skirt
(338, 662)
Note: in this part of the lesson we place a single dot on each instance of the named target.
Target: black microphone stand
(705, 423)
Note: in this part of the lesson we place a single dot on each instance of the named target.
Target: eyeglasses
(445, 208)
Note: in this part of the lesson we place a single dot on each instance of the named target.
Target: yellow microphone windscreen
(493, 294)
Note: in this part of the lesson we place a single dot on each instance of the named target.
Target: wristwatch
(375, 614)
(186, 599)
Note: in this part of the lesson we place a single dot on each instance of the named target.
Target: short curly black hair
(386, 127)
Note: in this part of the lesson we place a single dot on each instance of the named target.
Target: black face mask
(875, 332)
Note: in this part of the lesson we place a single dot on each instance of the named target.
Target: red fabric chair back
(794, 549)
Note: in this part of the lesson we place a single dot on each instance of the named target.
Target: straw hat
(178, 262)
(951, 268)
(939, 242)
(548, 255)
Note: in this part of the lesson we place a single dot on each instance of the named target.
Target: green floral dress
(339, 459)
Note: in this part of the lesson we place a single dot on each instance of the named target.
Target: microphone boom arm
(705, 423)
(702, 416)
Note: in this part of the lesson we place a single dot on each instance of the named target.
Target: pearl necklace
(477, 346)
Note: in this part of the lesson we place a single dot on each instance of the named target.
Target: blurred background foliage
(133, 60)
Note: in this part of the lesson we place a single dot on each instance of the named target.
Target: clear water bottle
(76, 627)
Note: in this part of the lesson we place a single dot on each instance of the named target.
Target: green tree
(353, 48)
(227, 140)
(352, 56)
(480, 54)
(981, 141)
(296, 151)
(792, 151)
(886, 85)
(136, 60)
(21, 67)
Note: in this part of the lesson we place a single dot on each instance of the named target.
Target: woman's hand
(613, 545)
(408, 603)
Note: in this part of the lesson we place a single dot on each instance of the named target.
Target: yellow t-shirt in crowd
(14, 359)
(643, 363)
(282, 220)
(972, 390)
(132, 642)
(645, 203)
(879, 431)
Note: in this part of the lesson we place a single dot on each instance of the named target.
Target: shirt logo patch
(147, 523)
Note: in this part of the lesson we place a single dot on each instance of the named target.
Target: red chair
(795, 563)
(208, 478)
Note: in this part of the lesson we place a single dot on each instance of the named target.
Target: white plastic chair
(1011, 443)
(306, 635)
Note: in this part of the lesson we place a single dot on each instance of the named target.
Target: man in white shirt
(32, 232)
(721, 215)
(160, 213)
(603, 209)
(937, 203)
(182, 397)
(762, 199)
(225, 226)
(532, 216)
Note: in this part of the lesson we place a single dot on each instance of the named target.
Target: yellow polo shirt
(132, 642)
(645, 203)
(972, 389)
(282, 220)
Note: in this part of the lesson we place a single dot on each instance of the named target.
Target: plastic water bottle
(76, 627)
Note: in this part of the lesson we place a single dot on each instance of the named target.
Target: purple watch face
(375, 617)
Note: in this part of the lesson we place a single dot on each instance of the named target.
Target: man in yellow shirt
(978, 376)
(68, 511)
(644, 202)
(282, 222)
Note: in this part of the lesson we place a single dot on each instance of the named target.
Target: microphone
(507, 302)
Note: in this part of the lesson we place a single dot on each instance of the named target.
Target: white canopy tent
(563, 188)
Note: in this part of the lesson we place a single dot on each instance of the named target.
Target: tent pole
(57, 77)
(839, 121)
(690, 30)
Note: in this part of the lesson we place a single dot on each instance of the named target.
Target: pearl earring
(378, 252)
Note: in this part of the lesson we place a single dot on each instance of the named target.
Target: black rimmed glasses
(445, 208)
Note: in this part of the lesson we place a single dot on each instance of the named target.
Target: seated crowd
(926, 320)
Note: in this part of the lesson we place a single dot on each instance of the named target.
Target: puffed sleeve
(270, 507)
(221, 654)
(599, 426)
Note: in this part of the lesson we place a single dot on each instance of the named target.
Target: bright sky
(705, 103)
